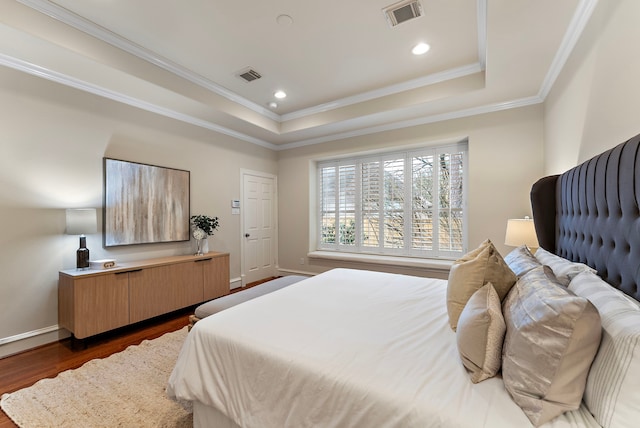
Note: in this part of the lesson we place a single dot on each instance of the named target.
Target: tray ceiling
(345, 70)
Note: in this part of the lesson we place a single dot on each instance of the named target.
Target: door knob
(246, 235)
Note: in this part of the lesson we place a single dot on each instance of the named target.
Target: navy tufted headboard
(591, 214)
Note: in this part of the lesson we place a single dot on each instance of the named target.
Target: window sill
(411, 262)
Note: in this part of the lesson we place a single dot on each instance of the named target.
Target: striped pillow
(563, 269)
(613, 385)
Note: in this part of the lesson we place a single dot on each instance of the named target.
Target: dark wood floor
(24, 369)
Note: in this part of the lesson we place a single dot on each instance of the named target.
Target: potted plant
(203, 226)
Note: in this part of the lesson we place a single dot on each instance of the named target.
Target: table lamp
(81, 222)
(521, 231)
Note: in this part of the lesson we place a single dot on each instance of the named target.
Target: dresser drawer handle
(129, 271)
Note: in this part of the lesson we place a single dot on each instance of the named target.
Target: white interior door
(259, 225)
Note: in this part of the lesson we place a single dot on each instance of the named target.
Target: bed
(351, 348)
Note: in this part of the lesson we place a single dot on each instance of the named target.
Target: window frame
(408, 154)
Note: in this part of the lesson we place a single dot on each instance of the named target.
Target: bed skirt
(206, 417)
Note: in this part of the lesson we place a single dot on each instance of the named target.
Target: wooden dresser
(95, 301)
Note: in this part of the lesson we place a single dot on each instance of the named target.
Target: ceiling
(345, 70)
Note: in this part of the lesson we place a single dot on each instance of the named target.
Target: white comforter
(346, 348)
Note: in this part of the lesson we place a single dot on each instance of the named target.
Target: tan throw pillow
(552, 337)
(480, 334)
(469, 273)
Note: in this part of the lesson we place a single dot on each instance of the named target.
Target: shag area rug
(126, 389)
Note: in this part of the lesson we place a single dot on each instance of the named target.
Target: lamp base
(82, 255)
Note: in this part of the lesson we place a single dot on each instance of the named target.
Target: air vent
(248, 74)
(403, 11)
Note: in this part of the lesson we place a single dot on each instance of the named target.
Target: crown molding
(574, 31)
(66, 80)
(489, 108)
(42, 72)
(482, 33)
(389, 90)
(91, 88)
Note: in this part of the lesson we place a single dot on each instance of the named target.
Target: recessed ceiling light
(284, 20)
(280, 94)
(273, 105)
(420, 49)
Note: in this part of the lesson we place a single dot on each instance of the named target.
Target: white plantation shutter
(347, 205)
(327, 205)
(394, 197)
(422, 203)
(450, 201)
(371, 209)
(408, 203)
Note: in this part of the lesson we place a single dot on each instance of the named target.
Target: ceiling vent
(403, 11)
(248, 74)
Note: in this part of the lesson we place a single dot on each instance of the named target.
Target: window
(409, 203)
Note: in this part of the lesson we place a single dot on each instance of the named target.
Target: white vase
(202, 246)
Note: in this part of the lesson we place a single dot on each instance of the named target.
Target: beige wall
(505, 159)
(52, 141)
(592, 106)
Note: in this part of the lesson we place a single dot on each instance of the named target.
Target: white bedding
(346, 348)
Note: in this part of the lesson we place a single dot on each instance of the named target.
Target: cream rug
(126, 389)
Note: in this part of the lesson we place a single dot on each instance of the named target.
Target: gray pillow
(552, 337)
(520, 260)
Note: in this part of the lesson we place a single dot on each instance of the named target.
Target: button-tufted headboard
(591, 214)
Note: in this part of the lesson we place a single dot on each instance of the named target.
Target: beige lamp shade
(521, 231)
(81, 221)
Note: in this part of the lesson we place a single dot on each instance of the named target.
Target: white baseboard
(283, 272)
(31, 339)
(235, 283)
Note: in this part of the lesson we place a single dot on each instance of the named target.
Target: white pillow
(563, 269)
(613, 385)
